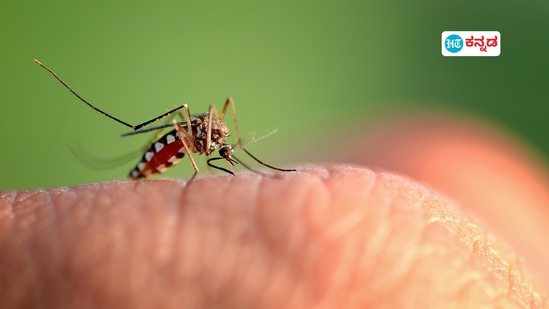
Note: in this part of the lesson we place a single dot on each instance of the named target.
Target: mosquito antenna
(81, 98)
(136, 127)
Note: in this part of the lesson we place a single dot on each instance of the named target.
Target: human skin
(322, 237)
(491, 174)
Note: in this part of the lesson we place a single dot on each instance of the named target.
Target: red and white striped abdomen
(162, 154)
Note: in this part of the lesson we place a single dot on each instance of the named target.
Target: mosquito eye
(224, 151)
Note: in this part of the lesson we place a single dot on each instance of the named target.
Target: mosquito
(200, 135)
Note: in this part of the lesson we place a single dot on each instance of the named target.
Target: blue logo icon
(453, 43)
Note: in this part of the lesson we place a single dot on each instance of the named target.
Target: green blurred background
(299, 66)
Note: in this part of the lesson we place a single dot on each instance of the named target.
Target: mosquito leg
(146, 123)
(265, 164)
(211, 112)
(230, 102)
(224, 109)
(165, 124)
(192, 134)
(249, 168)
(187, 117)
(186, 146)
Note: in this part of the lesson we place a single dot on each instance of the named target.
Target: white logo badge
(471, 43)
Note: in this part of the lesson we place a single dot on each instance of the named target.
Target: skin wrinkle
(164, 257)
(24, 215)
(14, 290)
(47, 244)
(325, 253)
(282, 238)
(167, 238)
(84, 219)
(290, 240)
(191, 225)
(233, 237)
(469, 285)
(400, 223)
(493, 260)
(436, 249)
(140, 238)
(32, 212)
(305, 252)
(344, 281)
(257, 229)
(384, 251)
(468, 233)
(517, 289)
(161, 215)
(451, 256)
(7, 216)
(218, 186)
(7, 201)
(326, 250)
(352, 250)
(112, 243)
(226, 264)
(356, 243)
(59, 198)
(343, 226)
(312, 253)
(377, 241)
(466, 257)
(275, 281)
(333, 177)
(91, 248)
(320, 249)
(182, 271)
(52, 215)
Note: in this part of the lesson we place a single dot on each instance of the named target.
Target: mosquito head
(226, 151)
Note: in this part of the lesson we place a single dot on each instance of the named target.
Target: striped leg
(188, 139)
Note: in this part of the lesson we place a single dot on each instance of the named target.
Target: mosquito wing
(98, 162)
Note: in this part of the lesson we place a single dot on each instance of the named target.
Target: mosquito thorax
(218, 136)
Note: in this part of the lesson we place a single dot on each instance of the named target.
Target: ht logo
(453, 43)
